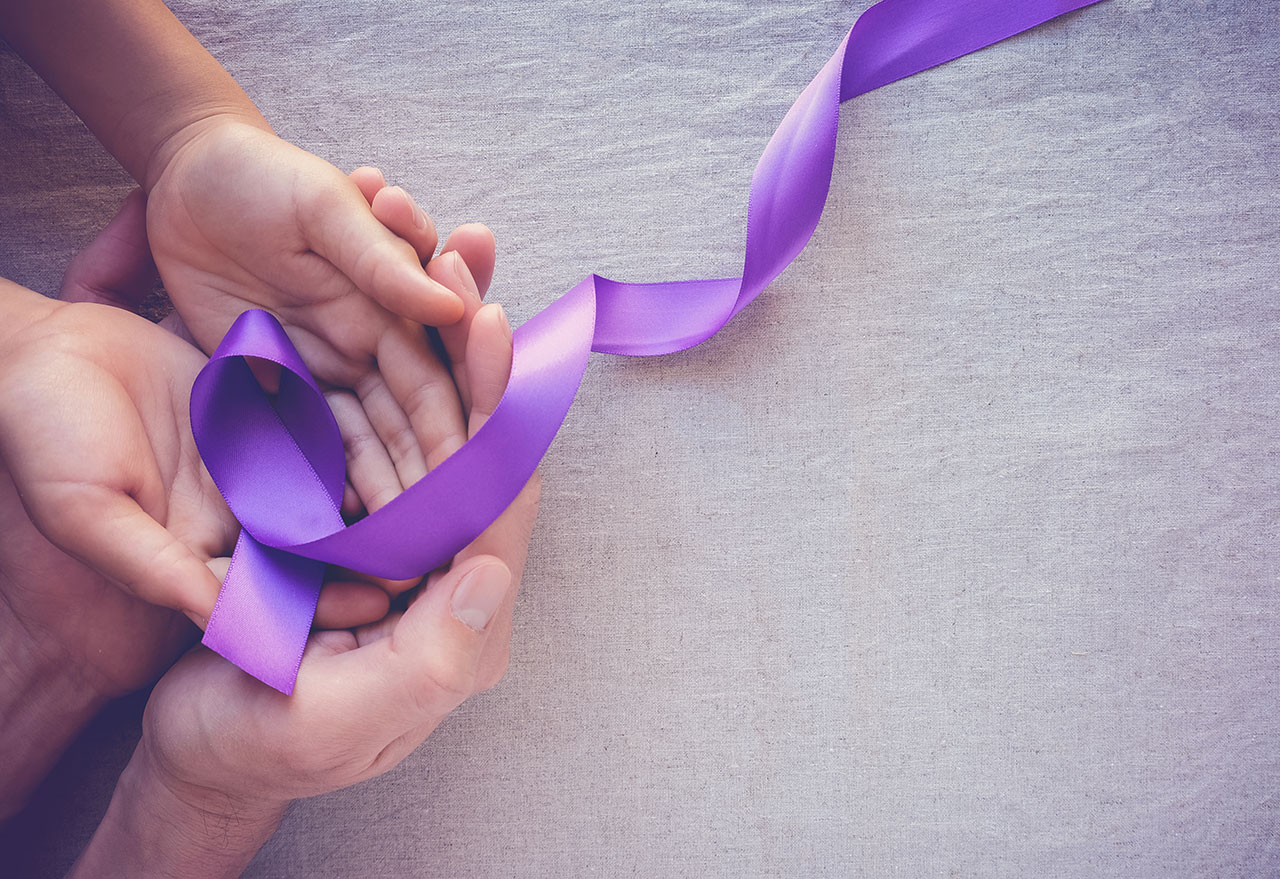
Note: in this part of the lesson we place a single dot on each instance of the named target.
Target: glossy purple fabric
(280, 463)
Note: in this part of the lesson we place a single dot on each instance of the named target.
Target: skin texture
(221, 751)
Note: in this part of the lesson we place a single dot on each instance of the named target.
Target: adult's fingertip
(480, 593)
(398, 212)
(451, 270)
(476, 244)
(506, 323)
(488, 363)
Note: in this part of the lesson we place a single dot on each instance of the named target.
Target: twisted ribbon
(281, 465)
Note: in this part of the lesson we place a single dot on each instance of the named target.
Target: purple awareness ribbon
(280, 464)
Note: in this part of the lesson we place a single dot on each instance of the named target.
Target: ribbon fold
(280, 465)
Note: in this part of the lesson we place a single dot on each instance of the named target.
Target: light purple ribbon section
(280, 463)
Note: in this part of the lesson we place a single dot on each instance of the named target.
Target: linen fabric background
(954, 555)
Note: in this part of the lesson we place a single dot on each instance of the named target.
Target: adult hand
(221, 754)
(94, 431)
(86, 419)
(96, 459)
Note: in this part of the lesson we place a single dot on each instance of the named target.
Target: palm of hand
(116, 643)
(211, 727)
(100, 454)
(241, 219)
(364, 699)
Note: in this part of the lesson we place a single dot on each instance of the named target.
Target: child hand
(238, 219)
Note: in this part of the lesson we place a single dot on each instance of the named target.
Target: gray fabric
(954, 555)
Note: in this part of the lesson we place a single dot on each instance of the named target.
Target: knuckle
(360, 443)
(403, 443)
(424, 398)
(382, 497)
(447, 677)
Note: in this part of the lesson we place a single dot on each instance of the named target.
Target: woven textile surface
(954, 555)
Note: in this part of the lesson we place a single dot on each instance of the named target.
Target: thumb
(116, 267)
(109, 532)
(339, 226)
(431, 662)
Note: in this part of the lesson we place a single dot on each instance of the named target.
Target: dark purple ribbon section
(280, 465)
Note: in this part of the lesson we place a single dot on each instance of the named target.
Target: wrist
(188, 129)
(155, 827)
(45, 704)
(131, 71)
(21, 308)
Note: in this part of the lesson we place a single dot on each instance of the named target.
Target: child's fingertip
(463, 273)
(506, 324)
(449, 303)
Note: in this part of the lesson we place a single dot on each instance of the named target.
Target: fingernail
(464, 274)
(506, 324)
(419, 215)
(480, 594)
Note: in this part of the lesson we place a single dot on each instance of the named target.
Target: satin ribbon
(280, 465)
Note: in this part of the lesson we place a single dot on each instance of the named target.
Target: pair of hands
(124, 522)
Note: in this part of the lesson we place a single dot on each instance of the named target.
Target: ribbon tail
(264, 611)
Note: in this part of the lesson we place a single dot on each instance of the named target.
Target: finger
(474, 242)
(390, 588)
(370, 469)
(397, 210)
(424, 391)
(377, 630)
(375, 478)
(451, 270)
(108, 531)
(346, 604)
(368, 180)
(352, 507)
(508, 538)
(116, 268)
(488, 363)
(394, 429)
(339, 225)
(429, 664)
